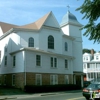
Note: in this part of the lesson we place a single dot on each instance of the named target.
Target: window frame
(50, 42)
(38, 60)
(53, 62)
(53, 79)
(67, 77)
(97, 57)
(38, 79)
(5, 62)
(14, 61)
(66, 63)
(31, 42)
(66, 46)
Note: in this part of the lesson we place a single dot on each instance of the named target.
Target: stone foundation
(30, 79)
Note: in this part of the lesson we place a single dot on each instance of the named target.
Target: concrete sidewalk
(13, 94)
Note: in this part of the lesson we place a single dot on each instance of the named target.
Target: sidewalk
(13, 94)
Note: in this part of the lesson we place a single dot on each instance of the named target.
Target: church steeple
(69, 18)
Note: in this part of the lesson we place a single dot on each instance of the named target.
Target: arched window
(50, 42)
(31, 42)
(66, 46)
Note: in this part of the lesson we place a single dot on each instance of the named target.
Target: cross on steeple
(68, 7)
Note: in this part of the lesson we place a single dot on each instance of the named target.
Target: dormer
(97, 56)
(87, 57)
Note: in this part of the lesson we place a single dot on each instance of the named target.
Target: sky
(21, 12)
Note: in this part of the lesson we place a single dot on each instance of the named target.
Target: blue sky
(20, 12)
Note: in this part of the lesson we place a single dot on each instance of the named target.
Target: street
(61, 96)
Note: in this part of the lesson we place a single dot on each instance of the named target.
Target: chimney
(92, 53)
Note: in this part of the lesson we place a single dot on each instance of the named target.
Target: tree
(91, 11)
(87, 51)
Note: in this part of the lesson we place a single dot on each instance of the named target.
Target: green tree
(91, 11)
(87, 51)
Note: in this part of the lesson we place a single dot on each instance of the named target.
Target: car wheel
(87, 98)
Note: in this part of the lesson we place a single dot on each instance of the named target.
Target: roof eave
(71, 23)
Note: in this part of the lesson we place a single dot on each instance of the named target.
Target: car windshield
(94, 86)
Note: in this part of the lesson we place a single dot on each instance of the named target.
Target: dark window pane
(50, 42)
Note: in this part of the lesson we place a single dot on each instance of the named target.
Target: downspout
(24, 67)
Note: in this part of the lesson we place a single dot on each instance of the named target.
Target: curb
(9, 98)
(48, 94)
(34, 95)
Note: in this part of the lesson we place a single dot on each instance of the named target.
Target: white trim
(42, 51)
(38, 76)
(53, 79)
(54, 62)
(40, 60)
(66, 79)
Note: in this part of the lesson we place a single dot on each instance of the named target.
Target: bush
(50, 88)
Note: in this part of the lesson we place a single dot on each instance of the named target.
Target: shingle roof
(6, 27)
(36, 25)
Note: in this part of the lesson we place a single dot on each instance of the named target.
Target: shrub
(50, 88)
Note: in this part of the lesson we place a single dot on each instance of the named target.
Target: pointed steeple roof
(36, 25)
(69, 18)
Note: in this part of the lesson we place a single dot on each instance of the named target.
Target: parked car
(86, 83)
(92, 91)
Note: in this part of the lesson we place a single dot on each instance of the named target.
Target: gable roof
(36, 25)
(88, 54)
(6, 27)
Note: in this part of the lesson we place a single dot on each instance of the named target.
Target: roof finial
(68, 7)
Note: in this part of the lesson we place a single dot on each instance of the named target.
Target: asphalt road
(62, 96)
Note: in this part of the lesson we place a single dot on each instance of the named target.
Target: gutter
(42, 51)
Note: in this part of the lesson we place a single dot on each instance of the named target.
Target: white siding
(45, 64)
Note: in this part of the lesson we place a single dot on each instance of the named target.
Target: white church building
(42, 52)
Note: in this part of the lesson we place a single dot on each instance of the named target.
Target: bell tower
(71, 27)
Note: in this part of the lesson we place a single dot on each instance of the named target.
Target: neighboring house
(91, 65)
(41, 53)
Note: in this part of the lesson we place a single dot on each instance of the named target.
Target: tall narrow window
(53, 79)
(13, 80)
(53, 62)
(66, 46)
(50, 42)
(66, 79)
(97, 57)
(38, 79)
(5, 60)
(31, 42)
(38, 60)
(14, 61)
(66, 63)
